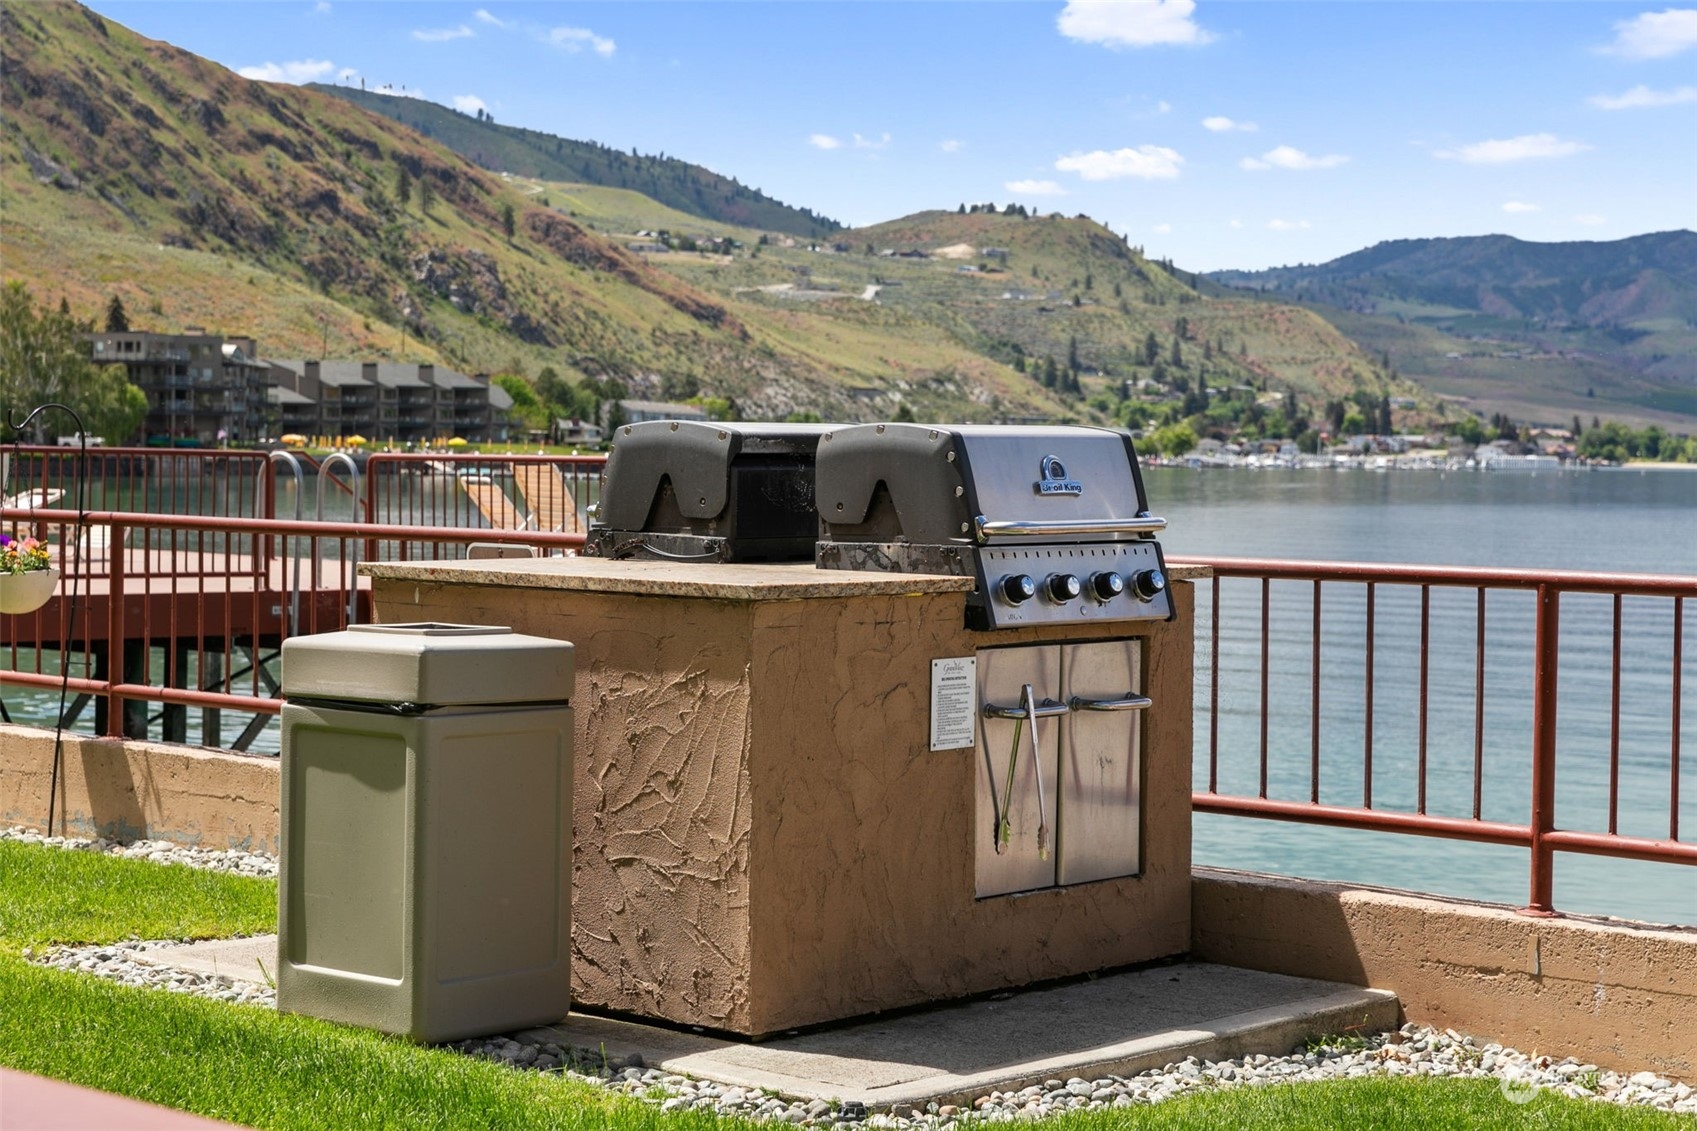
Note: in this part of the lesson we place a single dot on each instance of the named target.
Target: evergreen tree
(1072, 354)
(427, 194)
(1151, 349)
(117, 321)
(403, 186)
(1178, 354)
(507, 219)
(1385, 427)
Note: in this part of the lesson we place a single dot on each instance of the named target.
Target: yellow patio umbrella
(356, 441)
(457, 442)
(294, 440)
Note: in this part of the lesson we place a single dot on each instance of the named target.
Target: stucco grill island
(807, 794)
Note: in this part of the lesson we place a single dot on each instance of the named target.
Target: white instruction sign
(954, 703)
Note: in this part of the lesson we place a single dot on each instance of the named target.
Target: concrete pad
(245, 960)
(1119, 1025)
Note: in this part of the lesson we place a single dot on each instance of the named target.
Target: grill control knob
(1017, 588)
(1107, 585)
(1062, 587)
(1149, 584)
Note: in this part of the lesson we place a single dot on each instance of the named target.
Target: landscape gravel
(159, 851)
(1413, 1050)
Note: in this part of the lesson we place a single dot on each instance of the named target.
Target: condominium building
(200, 388)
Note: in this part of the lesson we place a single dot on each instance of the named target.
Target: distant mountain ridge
(1580, 283)
(531, 153)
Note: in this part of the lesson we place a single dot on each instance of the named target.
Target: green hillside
(135, 169)
(1539, 330)
(677, 184)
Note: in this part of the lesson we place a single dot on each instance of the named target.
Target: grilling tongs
(1027, 709)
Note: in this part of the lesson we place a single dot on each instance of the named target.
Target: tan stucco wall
(133, 790)
(764, 839)
(1617, 995)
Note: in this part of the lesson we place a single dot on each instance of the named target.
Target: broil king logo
(1054, 479)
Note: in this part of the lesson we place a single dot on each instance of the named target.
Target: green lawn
(252, 1066)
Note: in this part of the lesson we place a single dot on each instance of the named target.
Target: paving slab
(1118, 1024)
(246, 960)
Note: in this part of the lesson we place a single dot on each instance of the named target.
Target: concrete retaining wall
(140, 790)
(1617, 995)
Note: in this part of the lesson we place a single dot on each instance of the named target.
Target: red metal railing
(1660, 601)
(187, 610)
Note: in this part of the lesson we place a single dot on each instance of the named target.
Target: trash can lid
(428, 663)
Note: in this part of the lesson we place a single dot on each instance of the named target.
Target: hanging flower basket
(27, 579)
(27, 592)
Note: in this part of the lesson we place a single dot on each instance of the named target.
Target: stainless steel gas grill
(689, 491)
(1051, 522)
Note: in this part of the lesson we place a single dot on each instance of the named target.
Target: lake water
(1625, 521)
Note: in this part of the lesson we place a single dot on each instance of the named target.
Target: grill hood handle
(1060, 528)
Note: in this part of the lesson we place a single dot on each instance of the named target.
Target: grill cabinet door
(1002, 674)
(1101, 764)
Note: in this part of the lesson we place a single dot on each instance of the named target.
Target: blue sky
(1218, 134)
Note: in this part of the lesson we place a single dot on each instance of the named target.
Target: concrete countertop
(750, 581)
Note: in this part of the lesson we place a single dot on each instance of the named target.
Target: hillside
(133, 168)
(1540, 330)
(530, 153)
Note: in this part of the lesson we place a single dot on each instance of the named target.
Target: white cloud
(1035, 188)
(1642, 96)
(1288, 225)
(1289, 157)
(294, 73)
(1146, 162)
(951, 146)
(1163, 229)
(469, 103)
(1520, 206)
(1523, 148)
(322, 8)
(1163, 107)
(484, 16)
(824, 141)
(1590, 219)
(1132, 23)
(1655, 35)
(575, 39)
(442, 35)
(1223, 125)
(1235, 224)
(880, 142)
(346, 74)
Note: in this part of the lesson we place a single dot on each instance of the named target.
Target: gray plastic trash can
(425, 880)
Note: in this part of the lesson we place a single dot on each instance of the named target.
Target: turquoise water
(1623, 521)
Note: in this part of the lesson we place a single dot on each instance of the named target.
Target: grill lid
(980, 484)
(697, 491)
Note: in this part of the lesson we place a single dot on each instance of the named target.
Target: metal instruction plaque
(954, 703)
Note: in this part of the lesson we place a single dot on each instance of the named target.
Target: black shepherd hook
(18, 427)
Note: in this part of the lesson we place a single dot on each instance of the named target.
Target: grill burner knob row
(1107, 585)
(1149, 584)
(1062, 587)
(1017, 588)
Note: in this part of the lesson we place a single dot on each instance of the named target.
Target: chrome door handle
(1047, 709)
(1123, 703)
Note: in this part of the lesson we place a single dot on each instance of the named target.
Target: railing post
(1543, 819)
(115, 673)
